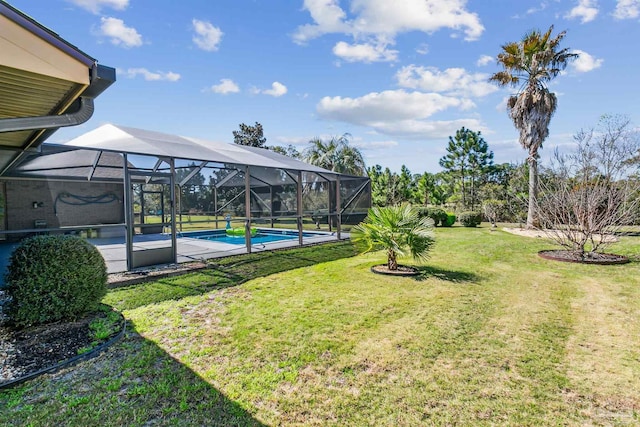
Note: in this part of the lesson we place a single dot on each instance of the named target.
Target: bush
(451, 219)
(470, 219)
(438, 215)
(51, 278)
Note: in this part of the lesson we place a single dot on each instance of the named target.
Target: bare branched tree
(590, 193)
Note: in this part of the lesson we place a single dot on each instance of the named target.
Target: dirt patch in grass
(586, 258)
(537, 233)
(402, 270)
(525, 232)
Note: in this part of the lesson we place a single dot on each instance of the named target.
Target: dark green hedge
(52, 278)
(451, 219)
(470, 219)
(438, 215)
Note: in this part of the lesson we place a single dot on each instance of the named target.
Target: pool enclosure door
(150, 217)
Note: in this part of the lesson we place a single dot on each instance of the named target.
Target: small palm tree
(397, 229)
(531, 64)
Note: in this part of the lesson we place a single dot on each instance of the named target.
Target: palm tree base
(403, 270)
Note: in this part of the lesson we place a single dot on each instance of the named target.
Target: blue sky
(399, 76)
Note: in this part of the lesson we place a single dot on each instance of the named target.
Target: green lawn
(489, 334)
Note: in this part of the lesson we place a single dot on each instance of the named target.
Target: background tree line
(470, 181)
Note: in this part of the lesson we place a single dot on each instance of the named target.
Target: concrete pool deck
(191, 249)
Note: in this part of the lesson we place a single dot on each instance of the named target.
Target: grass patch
(488, 334)
(226, 272)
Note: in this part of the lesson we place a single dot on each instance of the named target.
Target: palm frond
(397, 229)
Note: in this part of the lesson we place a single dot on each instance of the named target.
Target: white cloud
(423, 49)
(277, 89)
(328, 18)
(454, 81)
(364, 52)
(390, 18)
(94, 6)
(376, 145)
(387, 106)
(627, 9)
(119, 33)
(422, 129)
(502, 106)
(484, 60)
(149, 75)
(532, 10)
(207, 36)
(585, 62)
(297, 140)
(225, 87)
(396, 113)
(586, 10)
(380, 21)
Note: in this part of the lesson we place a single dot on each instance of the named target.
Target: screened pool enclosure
(146, 198)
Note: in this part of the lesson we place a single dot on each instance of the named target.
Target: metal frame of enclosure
(170, 186)
(146, 189)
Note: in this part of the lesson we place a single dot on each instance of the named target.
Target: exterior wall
(3, 210)
(21, 196)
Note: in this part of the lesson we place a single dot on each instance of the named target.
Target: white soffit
(23, 50)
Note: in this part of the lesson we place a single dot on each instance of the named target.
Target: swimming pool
(263, 236)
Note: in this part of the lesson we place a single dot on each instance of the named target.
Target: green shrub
(470, 219)
(438, 215)
(451, 219)
(51, 278)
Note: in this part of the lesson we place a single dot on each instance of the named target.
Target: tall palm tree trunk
(532, 214)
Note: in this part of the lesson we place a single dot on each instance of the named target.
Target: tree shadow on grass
(248, 267)
(133, 383)
(226, 272)
(427, 272)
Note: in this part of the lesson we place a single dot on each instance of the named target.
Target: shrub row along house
(145, 197)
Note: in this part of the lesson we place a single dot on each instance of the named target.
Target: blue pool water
(263, 236)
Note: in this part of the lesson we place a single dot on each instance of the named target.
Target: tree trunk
(532, 215)
(473, 192)
(464, 190)
(392, 261)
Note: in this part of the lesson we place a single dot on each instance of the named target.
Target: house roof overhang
(42, 77)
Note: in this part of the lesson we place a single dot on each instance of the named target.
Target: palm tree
(397, 229)
(335, 155)
(531, 64)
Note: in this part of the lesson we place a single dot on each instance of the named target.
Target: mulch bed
(30, 350)
(403, 270)
(588, 258)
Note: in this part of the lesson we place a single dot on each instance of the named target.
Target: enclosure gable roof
(124, 139)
